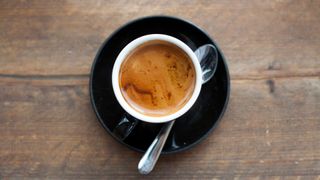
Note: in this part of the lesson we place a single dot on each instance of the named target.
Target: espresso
(157, 78)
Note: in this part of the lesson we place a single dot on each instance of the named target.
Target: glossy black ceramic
(190, 128)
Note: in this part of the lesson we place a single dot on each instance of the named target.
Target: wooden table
(271, 128)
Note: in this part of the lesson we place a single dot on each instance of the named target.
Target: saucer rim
(98, 53)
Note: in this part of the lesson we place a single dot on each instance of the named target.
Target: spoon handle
(151, 156)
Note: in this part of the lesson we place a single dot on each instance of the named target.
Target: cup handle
(208, 59)
(125, 127)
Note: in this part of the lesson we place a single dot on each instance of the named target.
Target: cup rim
(126, 51)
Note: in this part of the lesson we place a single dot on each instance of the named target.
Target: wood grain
(50, 131)
(271, 129)
(48, 38)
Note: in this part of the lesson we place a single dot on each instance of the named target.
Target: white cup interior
(127, 50)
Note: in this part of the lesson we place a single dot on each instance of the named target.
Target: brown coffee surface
(157, 79)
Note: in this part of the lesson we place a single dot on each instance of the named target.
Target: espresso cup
(201, 70)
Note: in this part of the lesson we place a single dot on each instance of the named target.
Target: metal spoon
(208, 57)
(149, 159)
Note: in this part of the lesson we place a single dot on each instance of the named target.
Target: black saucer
(189, 129)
